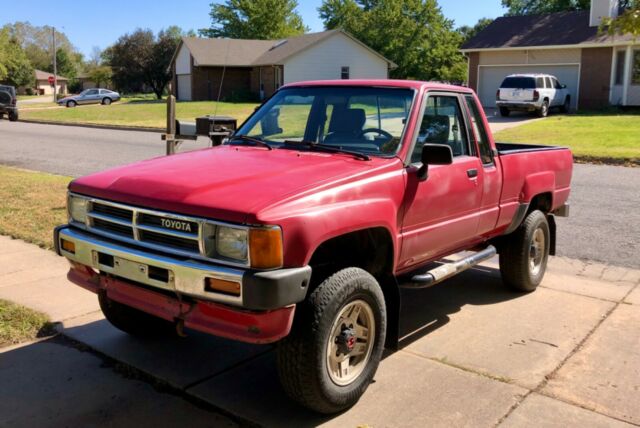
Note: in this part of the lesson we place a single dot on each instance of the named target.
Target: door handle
(472, 173)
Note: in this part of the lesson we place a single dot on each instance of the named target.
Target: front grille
(110, 227)
(120, 213)
(156, 221)
(169, 241)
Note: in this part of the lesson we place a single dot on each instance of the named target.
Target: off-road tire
(515, 255)
(133, 321)
(302, 356)
(71, 103)
(543, 111)
(106, 101)
(504, 112)
(1, 116)
(564, 108)
(13, 116)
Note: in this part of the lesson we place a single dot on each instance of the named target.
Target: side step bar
(447, 270)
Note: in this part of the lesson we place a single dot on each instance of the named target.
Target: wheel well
(371, 250)
(541, 202)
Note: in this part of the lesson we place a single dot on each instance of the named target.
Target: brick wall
(595, 77)
(205, 82)
(474, 60)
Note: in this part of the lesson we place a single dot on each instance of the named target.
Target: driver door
(441, 213)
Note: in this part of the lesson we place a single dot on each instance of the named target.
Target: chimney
(602, 9)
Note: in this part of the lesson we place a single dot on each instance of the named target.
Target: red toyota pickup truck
(302, 227)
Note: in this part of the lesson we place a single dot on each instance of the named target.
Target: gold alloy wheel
(537, 252)
(351, 342)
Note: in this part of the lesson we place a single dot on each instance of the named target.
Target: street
(590, 233)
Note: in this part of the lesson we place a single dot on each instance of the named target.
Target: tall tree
(254, 19)
(628, 22)
(15, 68)
(412, 33)
(468, 32)
(66, 65)
(535, 7)
(140, 59)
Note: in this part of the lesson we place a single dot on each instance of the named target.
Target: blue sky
(91, 23)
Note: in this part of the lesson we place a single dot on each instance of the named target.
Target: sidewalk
(474, 354)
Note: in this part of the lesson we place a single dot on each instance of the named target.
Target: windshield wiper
(325, 148)
(255, 141)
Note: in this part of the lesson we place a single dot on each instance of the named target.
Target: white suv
(532, 92)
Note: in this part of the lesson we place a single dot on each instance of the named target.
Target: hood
(228, 183)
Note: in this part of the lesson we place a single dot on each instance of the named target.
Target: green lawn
(591, 136)
(19, 324)
(136, 112)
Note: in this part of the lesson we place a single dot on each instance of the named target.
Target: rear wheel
(523, 259)
(13, 116)
(106, 101)
(543, 111)
(133, 321)
(71, 103)
(504, 112)
(333, 351)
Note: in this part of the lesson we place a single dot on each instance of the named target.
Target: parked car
(532, 92)
(302, 227)
(90, 96)
(8, 102)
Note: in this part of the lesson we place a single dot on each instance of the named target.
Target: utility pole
(55, 67)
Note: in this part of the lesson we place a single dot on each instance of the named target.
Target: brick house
(598, 69)
(258, 67)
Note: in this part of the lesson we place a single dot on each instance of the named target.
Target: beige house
(598, 69)
(259, 67)
(44, 88)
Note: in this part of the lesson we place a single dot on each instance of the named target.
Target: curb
(95, 126)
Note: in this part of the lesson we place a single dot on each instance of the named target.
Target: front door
(441, 213)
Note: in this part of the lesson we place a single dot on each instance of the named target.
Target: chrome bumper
(258, 290)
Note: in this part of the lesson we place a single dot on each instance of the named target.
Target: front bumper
(519, 105)
(259, 290)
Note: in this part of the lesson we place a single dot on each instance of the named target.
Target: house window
(635, 72)
(344, 73)
(619, 67)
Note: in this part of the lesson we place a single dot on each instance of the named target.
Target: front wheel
(523, 259)
(71, 104)
(333, 351)
(566, 105)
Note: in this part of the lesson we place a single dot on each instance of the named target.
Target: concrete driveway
(516, 118)
(473, 354)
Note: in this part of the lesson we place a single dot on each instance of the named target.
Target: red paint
(211, 318)
(314, 197)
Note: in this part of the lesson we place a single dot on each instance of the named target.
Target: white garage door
(184, 87)
(491, 77)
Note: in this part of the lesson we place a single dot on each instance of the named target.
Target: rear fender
(536, 184)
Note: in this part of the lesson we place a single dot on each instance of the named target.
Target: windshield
(364, 119)
(519, 83)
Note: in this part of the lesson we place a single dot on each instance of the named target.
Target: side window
(344, 73)
(539, 82)
(479, 131)
(557, 84)
(548, 81)
(442, 123)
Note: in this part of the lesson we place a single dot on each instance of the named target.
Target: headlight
(77, 208)
(232, 243)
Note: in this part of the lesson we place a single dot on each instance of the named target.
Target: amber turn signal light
(68, 246)
(222, 286)
(265, 248)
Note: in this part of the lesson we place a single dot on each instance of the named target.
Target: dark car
(8, 102)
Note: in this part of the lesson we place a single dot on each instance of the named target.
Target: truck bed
(513, 148)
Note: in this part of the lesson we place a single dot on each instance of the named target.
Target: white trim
(626, 82)
(536, 65)
(576, 46)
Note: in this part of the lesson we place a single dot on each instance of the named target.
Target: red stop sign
(51, 80)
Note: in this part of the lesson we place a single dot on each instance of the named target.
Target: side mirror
(434, 154)
(563, 86)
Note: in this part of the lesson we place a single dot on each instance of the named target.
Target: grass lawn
(597, 136)
(33, 203)
(19, 324)
(137, 112)
(28, 97)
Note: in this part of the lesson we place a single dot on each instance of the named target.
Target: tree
(140, 59)
(254, 19)
(535, 7)
(412, 33)
(65, 65)
(468, 32)
(15, 68)
(626, 23)
(100, 75)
